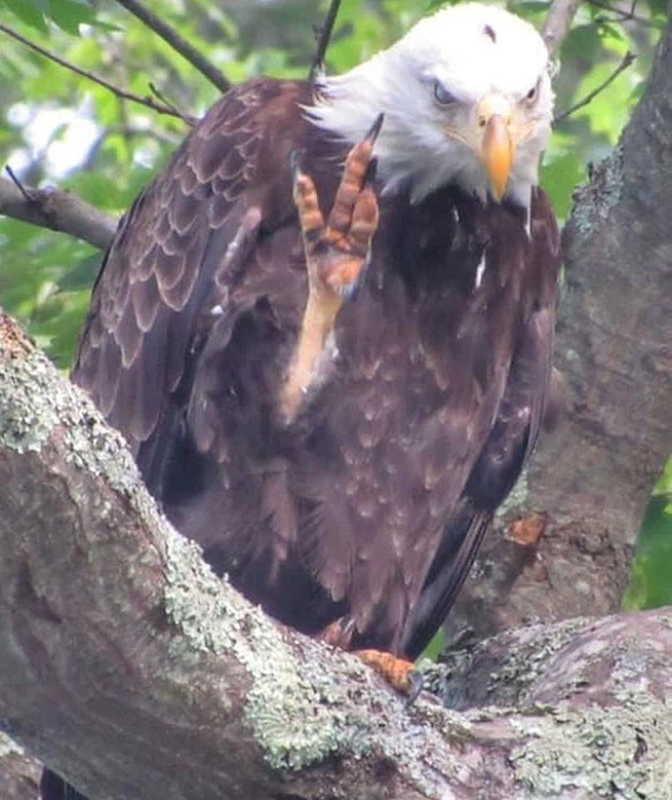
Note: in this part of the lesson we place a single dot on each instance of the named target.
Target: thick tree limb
(590, 484)
(58, 210)
(129, 667)
(558, 22)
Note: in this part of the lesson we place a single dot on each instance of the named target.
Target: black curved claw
(370, 176)
(374, 130)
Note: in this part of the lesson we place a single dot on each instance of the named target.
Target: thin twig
(325, 35)
(178, 43)
(622, 16)
(160, 108)
(17, 183)
(188, 118)
(557, 24)
(626, 61)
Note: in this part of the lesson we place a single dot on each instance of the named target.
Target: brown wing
(509, 444)
(177, 254)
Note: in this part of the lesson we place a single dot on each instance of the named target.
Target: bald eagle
(326, 327)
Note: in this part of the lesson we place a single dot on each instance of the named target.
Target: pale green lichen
(526, 653)
(35, 400)
(37, 407)
(215, 619)
(8, 747)
(595, 201)
(588, 753)
(624, 751)
(27, 414)
(298, 709)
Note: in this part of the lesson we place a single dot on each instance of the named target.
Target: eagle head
(467, 99)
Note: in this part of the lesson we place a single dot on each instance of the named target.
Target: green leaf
(435, 5)
(436, 646)
(70, 14)
(664, 485)
(609, 110)
(651, 578)
(582, 43)
(560, 175)
(29, 12)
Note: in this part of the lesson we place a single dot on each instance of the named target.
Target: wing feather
(195, 222)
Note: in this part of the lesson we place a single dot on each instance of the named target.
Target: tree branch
(557, 24)
(621, 15)
(178, 43)
(160, 108)
(126, 665)
(627, 60)
(58, 210)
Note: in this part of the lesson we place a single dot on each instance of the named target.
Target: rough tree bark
(127, 666)
(135, 672)
(589, 483)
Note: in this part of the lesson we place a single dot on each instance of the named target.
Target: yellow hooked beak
(497, 144)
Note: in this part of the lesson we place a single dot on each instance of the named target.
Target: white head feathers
(438, 87)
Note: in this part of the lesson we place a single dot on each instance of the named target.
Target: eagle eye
(442, 95)
(531, 96)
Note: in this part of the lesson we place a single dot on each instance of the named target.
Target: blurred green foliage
(57, 127)
(651, 577)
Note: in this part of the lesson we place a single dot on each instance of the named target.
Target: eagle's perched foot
(398, 672)
(336, 252)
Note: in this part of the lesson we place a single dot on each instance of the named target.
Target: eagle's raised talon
(336, 253)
